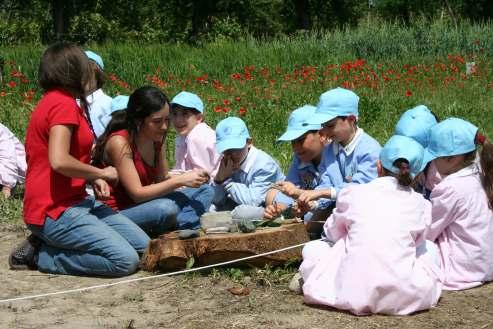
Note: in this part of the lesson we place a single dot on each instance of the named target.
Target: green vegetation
(391, 67)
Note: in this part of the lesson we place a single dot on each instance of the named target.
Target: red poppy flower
(408, 93)
(12, 84)
(242, 111)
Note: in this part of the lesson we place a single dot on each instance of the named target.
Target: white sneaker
(296, 284)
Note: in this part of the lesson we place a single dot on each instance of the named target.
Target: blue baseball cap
(190, 100)
(96, 58)
(297, 123)
(450, 137)
(333, 103)
(118, 103)
(231, 133)
(402, 147)
(416, 123)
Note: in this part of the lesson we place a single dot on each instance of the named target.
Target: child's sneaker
(25, 255)
(296, 284)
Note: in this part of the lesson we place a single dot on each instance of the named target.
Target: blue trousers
(154, 216)
(193, 202)
(90, 239)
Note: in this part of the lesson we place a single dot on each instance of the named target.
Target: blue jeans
(90, 239)
(193, 202)
(154, 216)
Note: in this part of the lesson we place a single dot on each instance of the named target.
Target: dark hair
(97, 74)
(486, 161)
(142, 103)
(65, 66)
(404, 177)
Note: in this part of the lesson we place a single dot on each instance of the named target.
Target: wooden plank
(168, 253)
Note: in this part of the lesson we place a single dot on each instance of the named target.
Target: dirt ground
(201, 301)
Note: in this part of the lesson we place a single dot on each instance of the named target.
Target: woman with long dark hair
(134, 143)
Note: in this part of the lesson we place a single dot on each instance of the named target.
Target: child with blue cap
(417, 123)
(462, 216)
(98, 102)
(378, 230)
(245, 173)
(195, 143)
(306, 167)
(353, 154)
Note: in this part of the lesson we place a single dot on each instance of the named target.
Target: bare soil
(201, 301)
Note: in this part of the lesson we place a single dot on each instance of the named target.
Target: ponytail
(486, 161)
(404, 176)
(118, 121)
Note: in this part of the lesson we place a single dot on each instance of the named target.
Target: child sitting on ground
(195, 143)
(99, 103)
(245, 173)
(352, 155)
(12, 161)
(462, 216)
(306, 167)
(380, 262)
(417, 123)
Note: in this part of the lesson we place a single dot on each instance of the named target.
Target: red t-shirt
(47, 192)
(119, 199)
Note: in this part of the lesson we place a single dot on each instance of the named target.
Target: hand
(110, 175)
(274, 210)
(309, 195)
(101, 189)
(194, 178)
(6, 191)
(289, 189)
(225, 170)
(300, 209)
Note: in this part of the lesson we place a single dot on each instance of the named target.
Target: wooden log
(168, 253)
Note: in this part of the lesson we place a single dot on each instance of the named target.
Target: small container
(216, 219)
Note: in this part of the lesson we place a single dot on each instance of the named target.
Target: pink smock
(197, 150)
(373, 266)
(462, 227)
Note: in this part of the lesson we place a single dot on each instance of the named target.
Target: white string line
(148, 277)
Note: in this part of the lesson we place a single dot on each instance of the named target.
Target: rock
(169, 253)
(188, 234)
(246, 226)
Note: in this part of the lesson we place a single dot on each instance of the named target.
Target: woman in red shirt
(134, 142)
(72, 233)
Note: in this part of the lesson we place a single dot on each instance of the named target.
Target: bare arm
(64, 163)
(121, 157)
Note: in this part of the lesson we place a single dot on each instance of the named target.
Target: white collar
(250, 159)
(348, 149)
(95, 95)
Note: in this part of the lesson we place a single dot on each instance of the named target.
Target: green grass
(404, 67)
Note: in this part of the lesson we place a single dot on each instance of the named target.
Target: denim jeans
(193, 202)
(154, 216)
(90, 239)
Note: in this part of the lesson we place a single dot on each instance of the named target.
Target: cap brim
(230, 144)
(320, 118)
(427, 158)
(291, 135)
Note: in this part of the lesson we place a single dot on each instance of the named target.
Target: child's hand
(301, 208)
(6, 191)
(101, 189)
(307, 196)
(289, 189)
(274, 210)
(194, 178)
(225, 170)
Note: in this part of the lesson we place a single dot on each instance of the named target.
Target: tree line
(43, 21)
